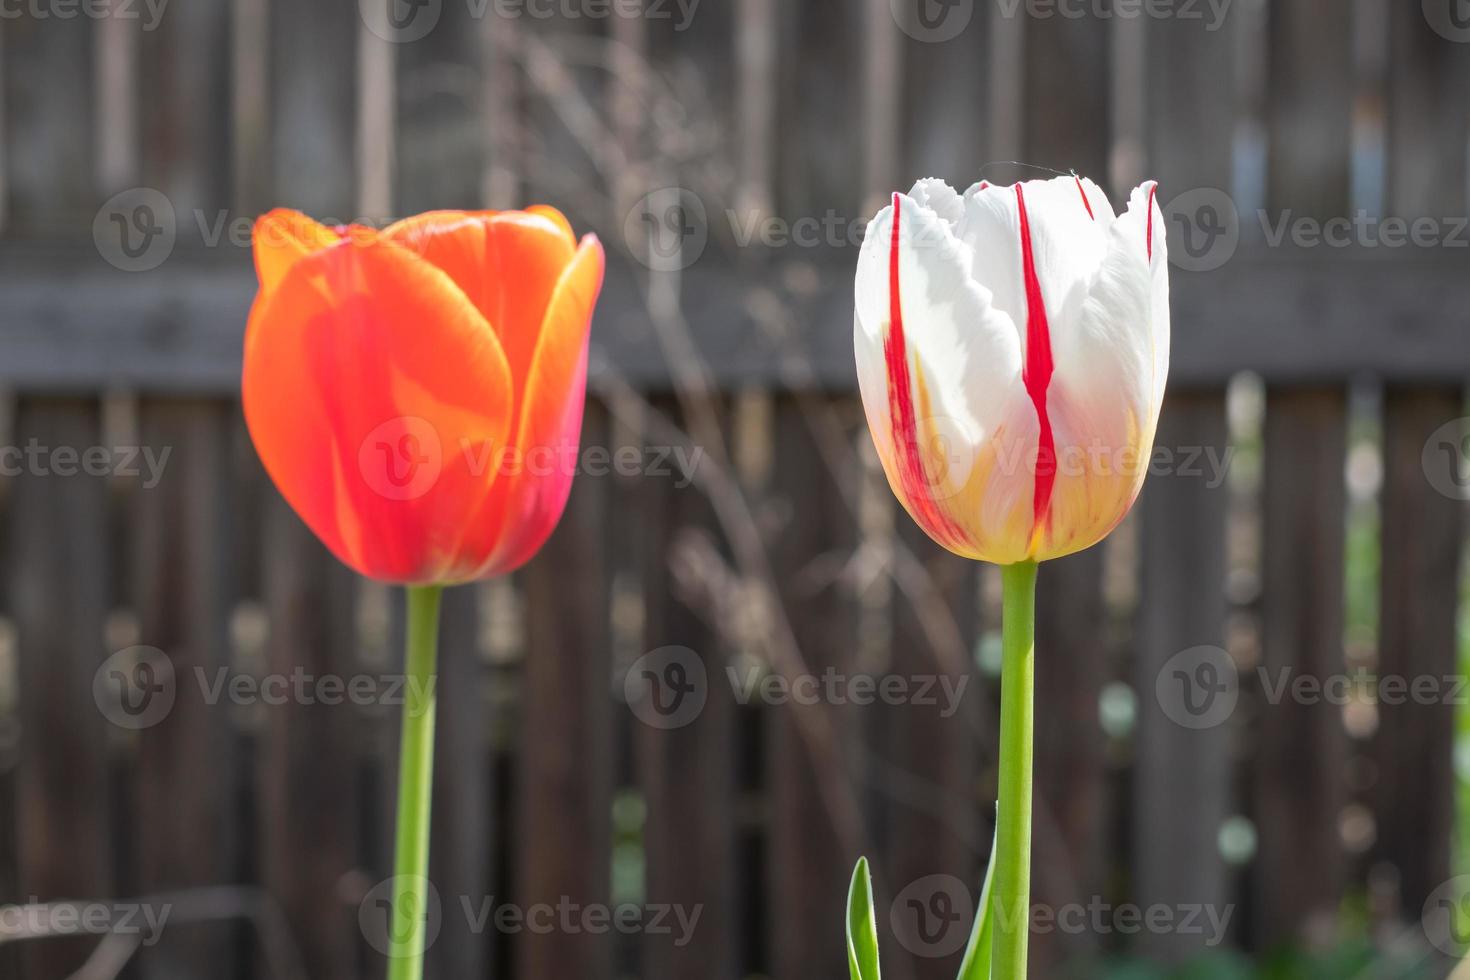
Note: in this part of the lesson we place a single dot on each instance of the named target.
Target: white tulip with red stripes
(1012, 348)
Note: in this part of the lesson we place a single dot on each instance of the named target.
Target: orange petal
(507, 263)
(376, 395)
(531, 494)
(283, 236)
(556, 218)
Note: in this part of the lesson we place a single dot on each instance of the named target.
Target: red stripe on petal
(1152, 193)
(917, 488)
(1036, 372)
(1085, 202)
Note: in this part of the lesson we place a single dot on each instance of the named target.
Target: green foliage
(976, 964)
(862, 930)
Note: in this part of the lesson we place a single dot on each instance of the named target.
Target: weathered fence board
(564, 788)
(686, 771)
(1182, 774)
(305, 779)
(187, 823)
(809, 785)
(1301, 746)
(59, 594)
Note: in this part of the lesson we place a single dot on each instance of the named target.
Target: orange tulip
(416, 393)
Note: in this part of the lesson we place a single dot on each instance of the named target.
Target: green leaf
(862, 931)
(976, 965)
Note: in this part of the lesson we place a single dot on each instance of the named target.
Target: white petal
(936, 195)
(1068, 219)
(968, 350)
(1111, 363)
(963, 356)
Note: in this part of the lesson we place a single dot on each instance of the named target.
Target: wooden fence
(785, 550)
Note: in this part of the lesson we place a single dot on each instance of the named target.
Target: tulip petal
(506, 262)
(529, 499)
(376, 394)
(280, 238)
(557, 218)
(1068, 220)
(1104, 400)
(939, 368)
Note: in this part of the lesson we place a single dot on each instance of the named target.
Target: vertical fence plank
(1066, 86)
(944, 73)
(1309, 112)
(59, 594)
(1071, 668)
(10, 718)
(441, 137)
(686, 770)
(564, 819)
(1302, 746)
(186, 826)
(48, 139)
(1182, 773)
(463, 825)
(1182, 770)
(1422, 518)
(808, 869)
(308, 825)
(1419, 580)
(1299, 781)
(185, 78)
(313, 112)
(818, 149)
(933, 819)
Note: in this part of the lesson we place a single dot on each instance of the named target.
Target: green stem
(415, 785)
(1012, 896)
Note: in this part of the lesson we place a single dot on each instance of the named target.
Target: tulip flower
(416, 395)
(1012, 348)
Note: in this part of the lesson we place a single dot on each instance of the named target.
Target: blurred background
(737, 665)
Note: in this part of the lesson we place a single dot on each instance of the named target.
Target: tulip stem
(1012, 895)
(410, 888)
